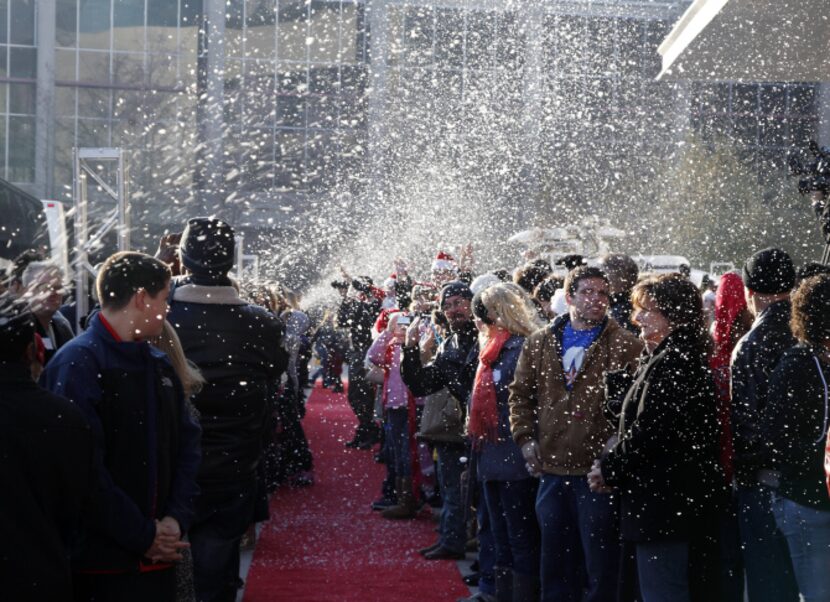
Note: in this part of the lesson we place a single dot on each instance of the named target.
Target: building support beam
(45, 102)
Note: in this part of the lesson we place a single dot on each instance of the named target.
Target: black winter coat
(47, 475)
(238, 348)
(665, 464)
(359, 317)
(794, 426)
(753, 360)
(453, 367)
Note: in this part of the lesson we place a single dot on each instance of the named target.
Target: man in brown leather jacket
(557, 417)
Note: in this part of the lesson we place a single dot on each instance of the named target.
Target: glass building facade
(322, 97)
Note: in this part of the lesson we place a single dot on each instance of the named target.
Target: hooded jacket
(238, 348)
(570, 426)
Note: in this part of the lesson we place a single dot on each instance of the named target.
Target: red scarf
(484, 411)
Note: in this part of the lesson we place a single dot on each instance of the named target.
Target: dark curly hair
(810, 321)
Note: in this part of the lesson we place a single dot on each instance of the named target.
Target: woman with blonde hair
(504, 316)
(192, 379)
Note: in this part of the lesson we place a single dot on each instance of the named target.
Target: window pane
(3, 54)
(21, 149)
(64, 101)
(162, 70)
(93, 67)
(162, 13)
(128, 20)
(65, 65)
(4, 21)
(261, 29)
(22, 99)
(22, 30)
(292, 30)
(66, 22)
(128, 69)
(93, 103)
(94, 24)
(93, 132)
(23, 62)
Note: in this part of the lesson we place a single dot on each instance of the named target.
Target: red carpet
(324, 543)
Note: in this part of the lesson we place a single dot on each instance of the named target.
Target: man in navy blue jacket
(146, 444)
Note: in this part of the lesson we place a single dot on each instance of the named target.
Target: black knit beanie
(769, 272)
(207, 246)
(456, 287)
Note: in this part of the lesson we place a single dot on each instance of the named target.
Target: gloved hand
(533, 458)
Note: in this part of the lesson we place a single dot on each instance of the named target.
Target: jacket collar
(777, 310)
(207, 295)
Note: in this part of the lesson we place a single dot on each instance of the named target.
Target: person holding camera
(402, 411)
(357, 314)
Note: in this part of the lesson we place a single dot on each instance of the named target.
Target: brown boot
(406, 507)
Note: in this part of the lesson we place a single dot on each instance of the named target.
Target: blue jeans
(486, 546)
(399, 440)
(769, 572)
(220, 522)
(807, 531)
(510, 505)
(580, 540)
(452, 528)
(663, 569)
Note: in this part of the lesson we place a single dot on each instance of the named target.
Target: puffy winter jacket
(238, 348)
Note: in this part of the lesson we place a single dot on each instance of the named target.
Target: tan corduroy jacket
(570, 426)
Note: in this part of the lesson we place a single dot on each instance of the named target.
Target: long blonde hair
(511, 308)
(168, 342)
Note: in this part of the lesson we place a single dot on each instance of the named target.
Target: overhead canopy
(750, 40)
(22, 223)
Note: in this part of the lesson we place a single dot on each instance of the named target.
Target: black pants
(220, 522)
(361, 395)
(126, 587)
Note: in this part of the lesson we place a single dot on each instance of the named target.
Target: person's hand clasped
(533, 458)
(595, 481)
(167, 545)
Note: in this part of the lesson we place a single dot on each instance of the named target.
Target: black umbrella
(22, 222)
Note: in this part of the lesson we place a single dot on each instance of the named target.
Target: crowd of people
(594, 433)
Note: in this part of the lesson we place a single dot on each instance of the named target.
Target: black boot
(504, 584)
(526, 588)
